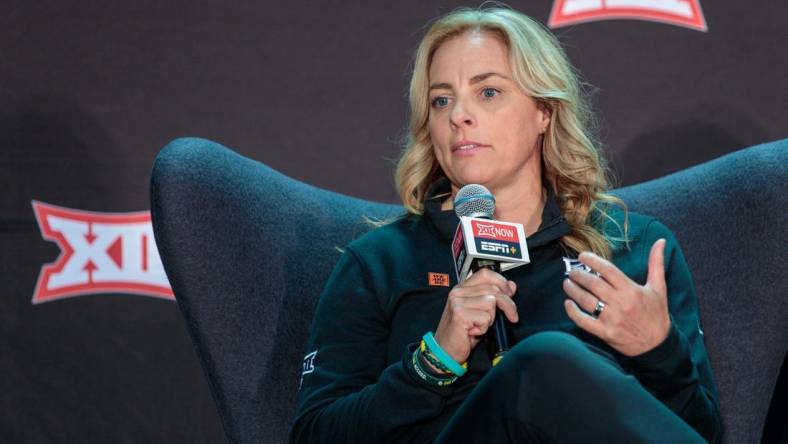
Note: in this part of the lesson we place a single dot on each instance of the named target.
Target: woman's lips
(467, 149)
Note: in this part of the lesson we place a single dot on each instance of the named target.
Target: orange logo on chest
(438, 279)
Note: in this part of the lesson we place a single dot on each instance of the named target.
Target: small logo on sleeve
(308, 366)
(438, 279)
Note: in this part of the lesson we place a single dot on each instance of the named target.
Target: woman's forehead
(469, 54)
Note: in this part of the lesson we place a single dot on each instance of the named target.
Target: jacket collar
(552, 227)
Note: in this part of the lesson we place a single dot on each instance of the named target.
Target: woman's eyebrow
(475, 79)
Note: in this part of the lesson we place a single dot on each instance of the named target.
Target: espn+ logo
(100, 253)
(494, 247)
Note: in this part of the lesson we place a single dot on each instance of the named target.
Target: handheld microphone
(482, 242)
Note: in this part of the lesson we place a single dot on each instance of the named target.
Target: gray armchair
(247, 251)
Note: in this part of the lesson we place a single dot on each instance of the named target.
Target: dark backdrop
(91, 90)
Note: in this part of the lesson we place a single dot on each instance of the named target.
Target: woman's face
(483, 127)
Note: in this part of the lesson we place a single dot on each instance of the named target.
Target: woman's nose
(460, 115)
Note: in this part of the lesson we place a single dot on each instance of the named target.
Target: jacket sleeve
(348, 394)
(677, 371)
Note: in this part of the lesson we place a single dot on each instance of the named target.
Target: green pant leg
(552, 387)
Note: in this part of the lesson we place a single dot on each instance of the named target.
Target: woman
(597, 356)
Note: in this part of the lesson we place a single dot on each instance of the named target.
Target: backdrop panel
(91, 90)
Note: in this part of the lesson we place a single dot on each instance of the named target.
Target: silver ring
(600, 307)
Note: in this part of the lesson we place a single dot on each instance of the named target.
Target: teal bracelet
(424, 374)
(442, 356)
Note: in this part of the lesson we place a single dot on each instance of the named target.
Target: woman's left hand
(634, 318)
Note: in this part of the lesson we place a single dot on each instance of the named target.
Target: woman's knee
(551, 360)
(553, 347)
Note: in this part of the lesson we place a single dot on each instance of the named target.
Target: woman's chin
(476, 176)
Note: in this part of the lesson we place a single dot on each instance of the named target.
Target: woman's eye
(440, 102)
(489, 93)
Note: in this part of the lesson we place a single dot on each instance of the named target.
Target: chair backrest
(247, 251)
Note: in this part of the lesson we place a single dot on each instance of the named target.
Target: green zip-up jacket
(358, 383)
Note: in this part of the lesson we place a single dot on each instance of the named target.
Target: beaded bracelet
(443, 357)
(432, 359)
(426, 376)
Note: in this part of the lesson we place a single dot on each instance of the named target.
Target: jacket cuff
(659, 354)
(668, 367)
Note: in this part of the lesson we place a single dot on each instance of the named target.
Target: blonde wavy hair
(570, 159)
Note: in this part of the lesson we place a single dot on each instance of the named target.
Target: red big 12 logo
(100, 253)
(686, 13)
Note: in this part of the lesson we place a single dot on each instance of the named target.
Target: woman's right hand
(470, 311)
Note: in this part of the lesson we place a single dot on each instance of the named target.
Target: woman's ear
(546, 113)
